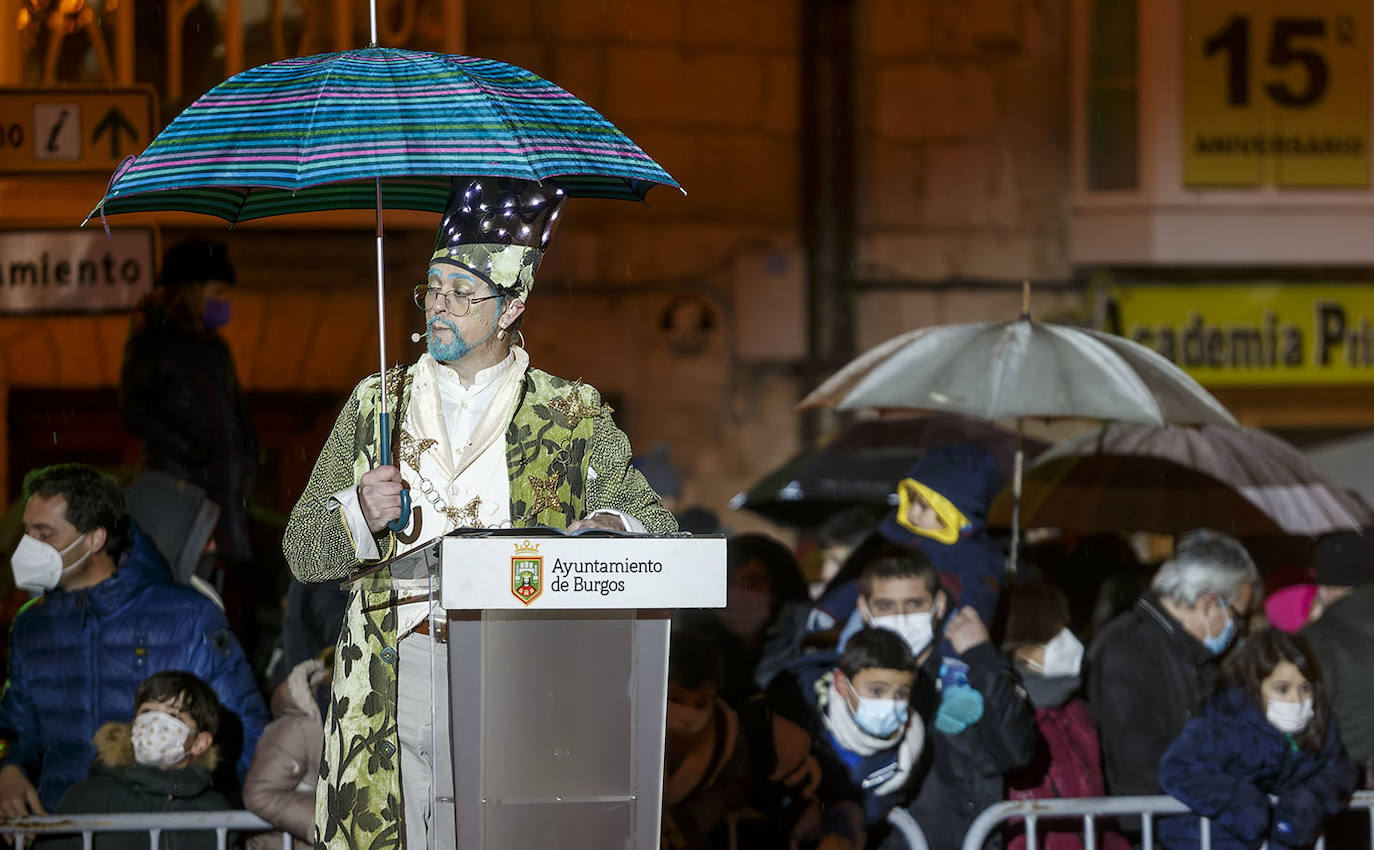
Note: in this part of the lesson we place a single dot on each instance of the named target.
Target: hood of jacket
(964, 477)
(176, 515)
(114, 753)
(296, 695)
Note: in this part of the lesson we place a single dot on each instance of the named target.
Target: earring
(501, 334)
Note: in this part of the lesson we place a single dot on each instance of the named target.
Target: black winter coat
(1230, 763)
(180, 394)
(118, 784)
(1146, 677)
(1343, 642)
(967, 771)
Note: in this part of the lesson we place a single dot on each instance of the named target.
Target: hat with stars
(498, 228)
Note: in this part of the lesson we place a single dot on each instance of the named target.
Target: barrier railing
(153, 823)
(1090, 809)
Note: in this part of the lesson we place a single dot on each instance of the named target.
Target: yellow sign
(1276, 92)
(1255, 333)
(67, 130)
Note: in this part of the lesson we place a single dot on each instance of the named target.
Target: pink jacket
(280, 786)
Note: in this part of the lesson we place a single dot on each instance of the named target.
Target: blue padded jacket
(77, 657)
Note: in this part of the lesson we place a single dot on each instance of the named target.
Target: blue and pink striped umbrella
(378, 128)
(315, 133)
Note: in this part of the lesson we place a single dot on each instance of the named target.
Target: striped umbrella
(317, 132)
(377, 128)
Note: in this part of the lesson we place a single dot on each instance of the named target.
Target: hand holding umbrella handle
(384, 422)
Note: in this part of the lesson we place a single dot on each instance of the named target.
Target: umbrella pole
(384, 415)
(1016, 500)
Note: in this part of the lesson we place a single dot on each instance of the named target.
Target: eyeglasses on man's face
(457, 303)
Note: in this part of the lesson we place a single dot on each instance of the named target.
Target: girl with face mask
(1263, 758)
(1047, 658)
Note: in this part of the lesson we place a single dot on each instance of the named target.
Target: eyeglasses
(457, 303)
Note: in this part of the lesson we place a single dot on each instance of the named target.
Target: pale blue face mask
(881, 718)
(1216, 644)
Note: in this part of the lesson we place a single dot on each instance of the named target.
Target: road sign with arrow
(73, 129)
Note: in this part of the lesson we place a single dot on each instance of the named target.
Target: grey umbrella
(1019, 370)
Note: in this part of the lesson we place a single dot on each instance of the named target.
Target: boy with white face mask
(864, 735)
(162, 761)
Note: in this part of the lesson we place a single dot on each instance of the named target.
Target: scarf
(841, 724)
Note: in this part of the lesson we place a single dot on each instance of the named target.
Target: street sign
(75, 271)
(69, 129)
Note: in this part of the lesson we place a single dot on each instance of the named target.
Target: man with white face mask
(109, 615)
(979, 725)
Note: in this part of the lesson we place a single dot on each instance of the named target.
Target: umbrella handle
(384, 422)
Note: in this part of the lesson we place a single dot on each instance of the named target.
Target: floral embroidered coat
(560, 430)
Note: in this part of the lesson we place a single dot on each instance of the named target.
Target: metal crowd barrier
(153, 823)
(1089, 809)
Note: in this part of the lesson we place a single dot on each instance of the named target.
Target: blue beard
(447, 352)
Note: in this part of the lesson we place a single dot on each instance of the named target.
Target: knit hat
(195, 261)
(1345, 559)
(498, 228)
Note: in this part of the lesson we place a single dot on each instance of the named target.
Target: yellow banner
(1276, 92)
(1254, 334)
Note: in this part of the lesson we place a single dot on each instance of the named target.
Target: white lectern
(558, 666)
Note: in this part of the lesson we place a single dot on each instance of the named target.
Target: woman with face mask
(1048, 660)
(1263, 759)
(706, 763)
(762, 626)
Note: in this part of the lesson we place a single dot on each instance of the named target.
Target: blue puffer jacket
(1229, 761)
(76, 659)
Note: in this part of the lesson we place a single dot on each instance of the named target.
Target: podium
(558, 668)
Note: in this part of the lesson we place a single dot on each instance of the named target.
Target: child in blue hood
(942, 509)
(1263, 759)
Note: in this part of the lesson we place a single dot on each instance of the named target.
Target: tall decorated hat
(498, 228)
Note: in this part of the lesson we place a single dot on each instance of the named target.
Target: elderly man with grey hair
(1149, 668)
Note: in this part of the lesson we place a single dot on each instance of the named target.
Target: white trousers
(421, 752)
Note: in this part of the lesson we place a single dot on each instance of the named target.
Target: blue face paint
(454, 349)
(457, 348)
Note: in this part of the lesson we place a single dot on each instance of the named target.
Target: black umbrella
(860, 466)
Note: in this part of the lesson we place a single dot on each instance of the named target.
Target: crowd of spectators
(842, 737)
(915, 689)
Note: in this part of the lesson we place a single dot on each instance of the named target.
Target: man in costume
(482, 440)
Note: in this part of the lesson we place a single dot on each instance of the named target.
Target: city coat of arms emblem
(527, 572)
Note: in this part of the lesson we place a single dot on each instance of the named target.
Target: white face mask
(916, 629)
(1289, 717)
(1063, 656)
(37, 566)
(159, 739)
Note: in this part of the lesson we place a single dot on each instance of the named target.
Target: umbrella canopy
(1128, 494)
(1021, 369)
(1129, 474)
(862, 464)
(314, 133)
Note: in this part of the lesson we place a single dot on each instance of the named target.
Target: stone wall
(962, 166)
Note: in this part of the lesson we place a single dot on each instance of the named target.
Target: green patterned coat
(559, 430)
